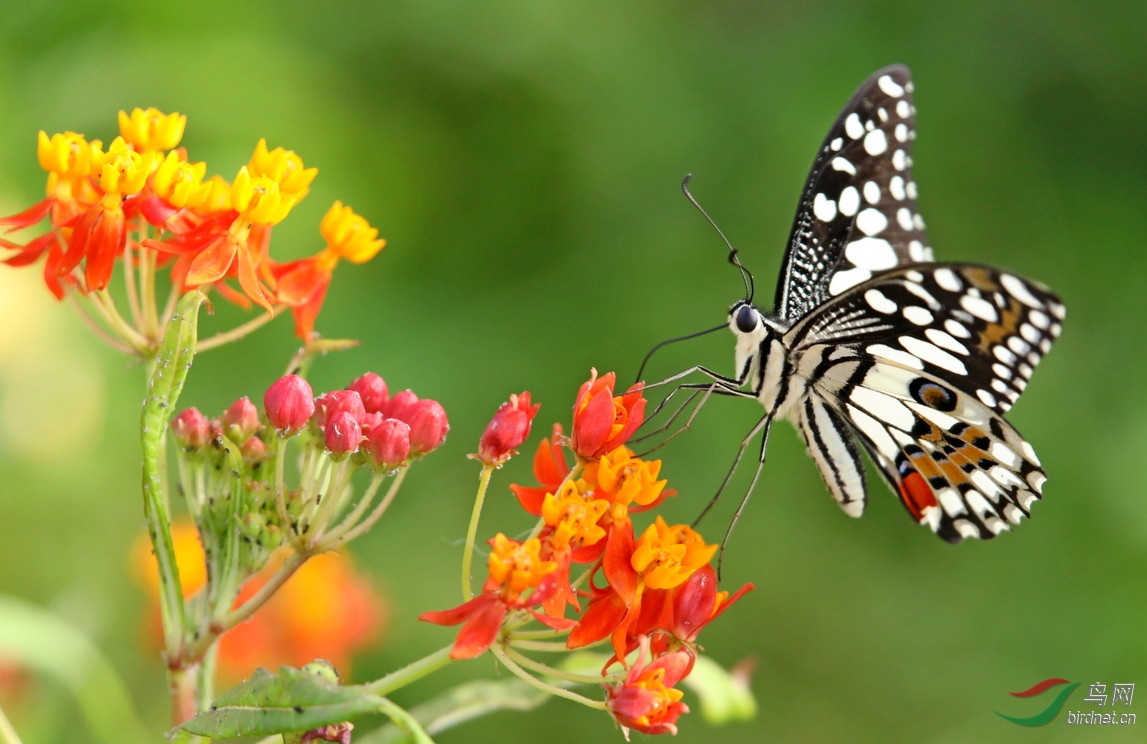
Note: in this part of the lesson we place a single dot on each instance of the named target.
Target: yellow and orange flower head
(602, 421)
(151, 130)
(211, 196)
(67, 155)
(283, 167)
(517, 566)
(176, 181)
(666, 556)
(575, 518)
(349, 235)
(259, 199)
(123, 171)
(647, 700)
(627, 482)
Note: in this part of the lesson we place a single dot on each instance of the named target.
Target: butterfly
(871, 343)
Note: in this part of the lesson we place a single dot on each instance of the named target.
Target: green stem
(542, 646)
(129, 281)
(411, 672)
(8, 734)
(404, 720)
(550, 671)
(530, 679)
(472, 533)
(333, 541)
(219, 339)
(352, 519)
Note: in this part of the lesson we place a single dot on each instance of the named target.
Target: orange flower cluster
(659, 589)
(142, 201)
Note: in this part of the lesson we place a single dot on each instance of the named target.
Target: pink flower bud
(253, 451)
(388, 443)
(372, 389)
(289, 402)
(399, 406)
(370, 421)
(507, 430)
(328, 404)
(241, 420)
(192, 428)
(343, 433)
(428, 426)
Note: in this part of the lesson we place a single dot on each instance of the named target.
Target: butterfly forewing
(857, 215)
(921, 362)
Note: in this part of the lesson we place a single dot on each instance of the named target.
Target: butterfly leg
(762, 425)
(710, 389)
(724, 381)
(745, 500)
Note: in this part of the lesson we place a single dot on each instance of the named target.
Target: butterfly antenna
(746, 275)
(668, 341)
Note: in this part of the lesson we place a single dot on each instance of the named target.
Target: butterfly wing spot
(878, 302)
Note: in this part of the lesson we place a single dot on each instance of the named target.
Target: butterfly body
(871, 342)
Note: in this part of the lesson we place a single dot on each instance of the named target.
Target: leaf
(288, 700)
(43, 643)
(725, 694)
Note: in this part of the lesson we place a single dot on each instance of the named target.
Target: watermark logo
(1097, 696)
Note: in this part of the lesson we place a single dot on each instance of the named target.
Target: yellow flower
(574, 518)
(151, 130)
(123, 170)
(67, 155)
(518, 566)
(666, 556)
(177, 181)
(283, 167)
(259, 199)
(625, 480)
(349, 235)
(213, 195)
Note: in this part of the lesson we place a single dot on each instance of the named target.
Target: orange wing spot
(916, 494)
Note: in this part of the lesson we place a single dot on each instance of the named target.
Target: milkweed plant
(596, 602)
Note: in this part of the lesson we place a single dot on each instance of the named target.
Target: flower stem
(226, 337)
(472, 532)
(129, 281)
(379, 510)
(530, 679)
(541, 646)
(550, 671)
(404, 721)
(411, 672)
(364, 503)
(99, 330)
(8, 734)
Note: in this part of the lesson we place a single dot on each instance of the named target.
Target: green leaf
(725, 695)
(43, 643)
(288, 700)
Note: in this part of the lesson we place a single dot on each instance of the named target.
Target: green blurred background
(523, 160)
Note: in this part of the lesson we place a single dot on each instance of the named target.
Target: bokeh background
(523, 160)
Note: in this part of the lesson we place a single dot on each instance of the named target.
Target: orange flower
(647, 700)
(601, 421)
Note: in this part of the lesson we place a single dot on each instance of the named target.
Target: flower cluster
(142, 203)
(649, 591)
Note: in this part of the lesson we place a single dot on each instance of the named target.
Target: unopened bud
(372, 389)
(241, 420)
(336, 732)
(428, 426)
(192, 428)
(369, 421)
(328, 404)
(398, 407)
(507, 430)
(253, 451)
(388, 443)
(343, 433)
(289, 403)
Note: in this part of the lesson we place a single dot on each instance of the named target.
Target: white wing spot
(896, 355)
(979, 307)
(1029, 453)
(871, 254)
(1001, 371)
(1024, 369)
(871, 221)
(957, 329)
(852, 126)
(1030, 334)
(882, 113)
(876, 433)
(890, 86)
(916, 251)
(918, 315)
(1013, 514)
(845, 280)
(988, 398)
(871, 192)
(999, 386)
(844, 165)
(878, 302)
(875, 143)
(913, 275)
(899, 160)
(824, 208)
(904, 218)
(836, 144)
(1003, 453)
(918, 221)
(910, 189)
(1019, 290)
(902, 109)
(849, 201)
(943, 340)
(933, 354)
(950, 499)
(1018, 345)
(1039, 320)
(1004, 354)
(901, 132)
(966, 528)
(896, 186)
(1058, 310)
(884, 408)
(948, 280)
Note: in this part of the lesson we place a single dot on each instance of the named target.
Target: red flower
(507, 430)
(647, 700)
(550, 469)
(601, 421)
(289, 403)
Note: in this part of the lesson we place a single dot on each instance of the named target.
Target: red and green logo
(1054, 707)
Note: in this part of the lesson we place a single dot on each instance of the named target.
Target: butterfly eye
(747, 319)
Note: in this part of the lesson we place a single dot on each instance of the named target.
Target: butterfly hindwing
(831, 445)
(857, 214)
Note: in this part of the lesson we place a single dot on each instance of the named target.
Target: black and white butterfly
(871, 341)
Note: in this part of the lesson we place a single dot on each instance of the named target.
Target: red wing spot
(916, 494)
